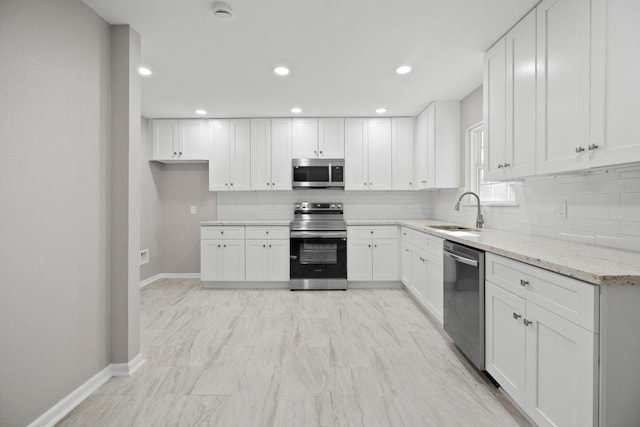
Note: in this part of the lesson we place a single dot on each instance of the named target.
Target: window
(490, 192)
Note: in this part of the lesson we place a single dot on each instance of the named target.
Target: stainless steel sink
(453, 228)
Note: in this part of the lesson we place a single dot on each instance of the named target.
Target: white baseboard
(73, 399)
(159, 276)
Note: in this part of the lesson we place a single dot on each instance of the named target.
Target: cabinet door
(165, 135)
(359, 259)
(305, 138)
(260, 154)
(495, 98)
(210, 260)
(431, 145)
(331, 138)
(379, 154)
(561, 370)
(385, 259)
(419, 272)
(615, 86)
(563, 66)
(219, 163)
(356, 154)
(192, 139)
(444, 144)
(256, 260)
(240, 155)
(402, 153)
(281, 154)
(422, 152)
(278, 256)
(405, 270)
(521, 94)
(435, 286)
(505, 340)
(233, 260)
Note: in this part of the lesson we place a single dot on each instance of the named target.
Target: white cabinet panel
(222, 260)
(331, 138)
(192, 137)
(385, 259)
(219, 164)
(180, 140)
(359, 259)
(305, 138)
(563, 65)
(368, 154)
(495, 103)
(281, 154)
(379, 154)
(267, 260)
(229, 169)
(402, 157)
(278, 267)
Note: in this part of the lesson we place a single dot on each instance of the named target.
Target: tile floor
(279, 358)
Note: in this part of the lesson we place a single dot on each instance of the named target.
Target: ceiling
(342, 53)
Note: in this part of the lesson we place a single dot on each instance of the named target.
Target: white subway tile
(630, 243)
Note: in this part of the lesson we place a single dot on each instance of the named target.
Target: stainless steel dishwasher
(464, 299)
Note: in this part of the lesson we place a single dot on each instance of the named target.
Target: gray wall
(54, 190)
(150, 206)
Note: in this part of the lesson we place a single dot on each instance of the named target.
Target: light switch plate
(192, 210)
(561, 209)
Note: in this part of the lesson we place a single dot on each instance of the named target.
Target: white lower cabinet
(546, 362)
(222, 254)
(422, 269)
(372, 253)
(267, 251)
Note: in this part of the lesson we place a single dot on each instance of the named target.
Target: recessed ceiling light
(201, 112)
(381, 110)
(222, 10)
(296, 110)
(281, 71)
(403, 69)
(144, 71)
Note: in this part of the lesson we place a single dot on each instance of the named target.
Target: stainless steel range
(318, 247)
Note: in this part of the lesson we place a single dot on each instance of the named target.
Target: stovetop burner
(318, 216)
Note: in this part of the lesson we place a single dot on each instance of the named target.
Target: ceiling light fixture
(381, 110)
(201, 112)
(296, 110)
(403, 69)
(144, 71)
(222, 10)
(281, 71)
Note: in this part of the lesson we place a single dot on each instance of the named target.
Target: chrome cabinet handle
(516, 316)
(579, 149)
(592, 147)
(526, 322)
(524, 282)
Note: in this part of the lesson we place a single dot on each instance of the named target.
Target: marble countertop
(593, 264)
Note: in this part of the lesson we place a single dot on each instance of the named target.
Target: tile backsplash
(601, 208)
(357, 204)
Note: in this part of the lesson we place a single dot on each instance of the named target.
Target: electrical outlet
(144, 256)
(193, 210)
(561, 209)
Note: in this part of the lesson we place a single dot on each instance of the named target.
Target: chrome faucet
(479, 218)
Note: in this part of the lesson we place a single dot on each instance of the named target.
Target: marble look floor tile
(279, 358)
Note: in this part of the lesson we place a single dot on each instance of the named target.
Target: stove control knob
(333, 206)
(339, 206)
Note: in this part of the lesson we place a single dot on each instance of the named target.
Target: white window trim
(468, 135)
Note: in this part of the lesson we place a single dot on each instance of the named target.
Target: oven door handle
(471, 262)
(318, 234)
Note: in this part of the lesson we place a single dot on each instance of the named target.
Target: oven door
(318, 257)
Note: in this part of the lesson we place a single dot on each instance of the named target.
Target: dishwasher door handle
(471, 262)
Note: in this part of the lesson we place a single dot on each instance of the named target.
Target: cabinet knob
(369, 245)
(224, 246)
(320, 152)
(524, 282)
(268, 183)
(516, 316)
(264, 246)
(315, 151)
(593, 147)
(375, 246)
(526, 322)
(269, 245)
(180, 153)
(500, 165)
(218, 245)
(371, 231)
(365, 184)
(232, 183)
(579, 149)
(371, 183)
(273, 183)
(267, 232)
(506, 165)
(410, 183)
(175, 152)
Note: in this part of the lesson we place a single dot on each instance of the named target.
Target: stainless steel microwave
(318, 173)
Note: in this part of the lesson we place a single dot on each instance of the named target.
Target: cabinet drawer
(569, 298)
(267, 233)
(384, 232)
(221, 232)
(434, 245)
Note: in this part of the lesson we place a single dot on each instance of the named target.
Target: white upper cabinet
(563, 66)
(318, 138)
(509, 103)
(180, 140)
(270, 154)
(368, 154)
(402, 153)
(438, 146)
(331, 138)
(615, 86)
(229, 169)
(305, 138)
